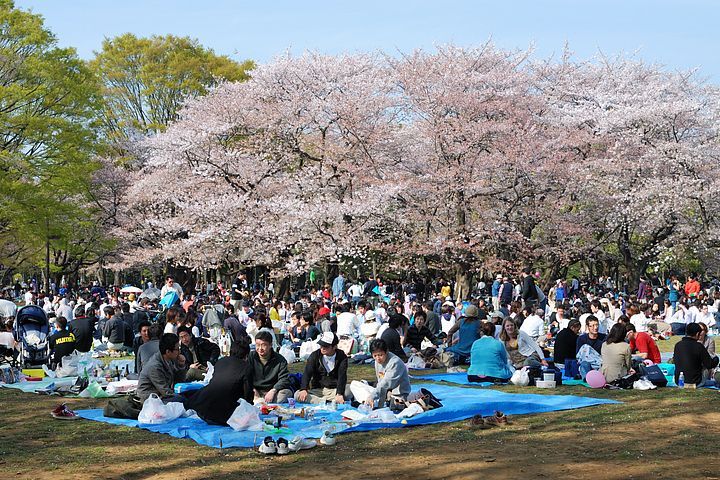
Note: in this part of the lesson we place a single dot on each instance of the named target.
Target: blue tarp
(460, 378)
(458, 404)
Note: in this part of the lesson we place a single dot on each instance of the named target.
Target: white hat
(448, 303)
(448, 299)
(370, 316)
(327, 339)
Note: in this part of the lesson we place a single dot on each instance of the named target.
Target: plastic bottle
(681, 380)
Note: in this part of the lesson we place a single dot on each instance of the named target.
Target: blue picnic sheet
(458, 404)
(32, 387)
(459, 378)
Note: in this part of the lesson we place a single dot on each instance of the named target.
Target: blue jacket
(488, 358)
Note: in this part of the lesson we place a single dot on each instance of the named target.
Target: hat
(448, 299)
(448, 303)
(497, 314)
(327, 339)
(471, 311)
(323, 311)
(369, 316)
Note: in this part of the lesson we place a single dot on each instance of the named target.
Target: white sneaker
(268, 446)
(282, 446)
(301, 443)
(328, 439)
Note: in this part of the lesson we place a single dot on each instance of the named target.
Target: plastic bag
(361, 390)
(307, 348)
(520, 377)
(94, 390)
(416, 362)
(209, 373)
(155, 412)
(245, 417)
(289, 354)
(123, 386)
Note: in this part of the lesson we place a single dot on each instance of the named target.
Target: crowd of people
(508, 324)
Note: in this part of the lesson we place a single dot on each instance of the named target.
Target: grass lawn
(666, 433)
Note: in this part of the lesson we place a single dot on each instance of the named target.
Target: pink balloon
(595, 379)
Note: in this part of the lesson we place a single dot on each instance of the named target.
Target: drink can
(291, 402)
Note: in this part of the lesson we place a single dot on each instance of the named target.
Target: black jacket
(316, 376)
(529, 292)
(691, 357)
(565, 344)
(206, 351)
(83, 328)
(231, 381)
(115, 330)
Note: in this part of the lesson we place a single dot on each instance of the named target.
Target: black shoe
(428, 394)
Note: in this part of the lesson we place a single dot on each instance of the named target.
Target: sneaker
(478, 421)
(268, 446)
(301, 443)
(328, 439)
(282, 446)
(61, 412)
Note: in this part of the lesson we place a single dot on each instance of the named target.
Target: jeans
(585, 367)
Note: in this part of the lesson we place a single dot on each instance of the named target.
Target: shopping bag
(520, 377)
(361, 391)
(245, 417)
(155, 412)
(289, 354)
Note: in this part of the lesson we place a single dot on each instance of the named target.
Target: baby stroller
(31, 330)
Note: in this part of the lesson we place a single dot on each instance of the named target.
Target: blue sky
(679, 34)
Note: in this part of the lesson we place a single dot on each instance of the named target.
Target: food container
(549, 376)
(546, 384)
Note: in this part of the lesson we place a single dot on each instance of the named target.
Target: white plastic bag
(289, 354)
(306, 348)
(209, 373)
(361, 390)
(416, 362)
(155, 412)
(521, 377)
(245, 417)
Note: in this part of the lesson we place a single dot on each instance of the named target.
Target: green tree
(48, 99)
(146, 80)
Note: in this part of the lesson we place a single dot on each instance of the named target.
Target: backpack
(124, 407)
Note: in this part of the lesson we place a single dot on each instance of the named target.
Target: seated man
(691, 357)
(83, 328)
(164, 369)
(198, 351)
(325, 373)
(149, 348)
(418, 331)
(270, 371)
(231, 381)
(62, 342)
(642, 344)
(592, 337)
(565, 343)
(392, 375)
(114, 330)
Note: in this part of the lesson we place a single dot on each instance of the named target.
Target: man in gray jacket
(393, 379)
(164, 369)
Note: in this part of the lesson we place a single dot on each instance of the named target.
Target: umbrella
(151, 293)
(131, 289)
(7, 308)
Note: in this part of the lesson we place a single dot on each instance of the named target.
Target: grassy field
(666, 433)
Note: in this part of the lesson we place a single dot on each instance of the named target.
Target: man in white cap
(325, 375)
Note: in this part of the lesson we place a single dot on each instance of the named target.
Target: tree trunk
(283, 289)
(462, 284)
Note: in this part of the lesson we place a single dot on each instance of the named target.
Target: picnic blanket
(459, 378)
(32, 387)
(458, 404)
